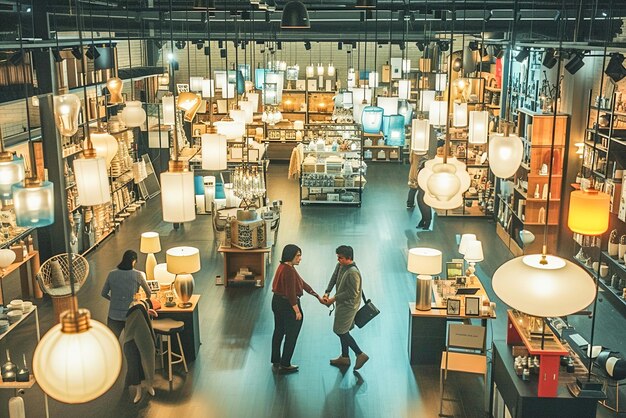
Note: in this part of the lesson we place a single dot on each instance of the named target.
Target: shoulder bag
(366, 313)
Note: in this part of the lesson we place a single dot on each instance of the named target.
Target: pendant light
(404, 89)
(426, 98)
(372, 119)
(389, 105)
(405, 109)
(133, 114)
(441, 82)
(459, 115)
(438, 112)
(295, 16)
(505, 153)
(396, 131)
(478, 127)
(177, 191)
(169, 109)
(208, 88)
(420, 135)
(115, 86)
(588, 212)
(195, 83)
(105, 144)
(373, 79)
(214, 152)
(92, 181)
(66, 111)
(331, 70)
(11, 170)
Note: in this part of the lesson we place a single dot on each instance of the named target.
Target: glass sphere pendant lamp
(505, 153)
(133, 114)
(115, 86)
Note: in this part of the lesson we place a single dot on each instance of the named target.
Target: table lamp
(182, 261)
(424, 262)
(473, 255)
(465, 240)
(150, 244)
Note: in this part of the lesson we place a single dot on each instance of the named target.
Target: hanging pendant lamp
(404, 89)
(505, 153)
(372, 119)
(420, 135)
(105, 144)
(478, 127)
(11, 171)
(589, 212)
(208, 88)
(295, 16)
(214, 152)
(195, 84)
(169, 109)
(373, 79)
(133, 114)
(115, 86)
(459, 115)
(438, 112)
(33, 202)
(426, 98)
(66, 111)
(331, 70)
(92, 181)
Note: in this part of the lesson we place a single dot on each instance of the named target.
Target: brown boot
(361, 359)
(340, 361)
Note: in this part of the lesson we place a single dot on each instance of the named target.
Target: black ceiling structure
(579, 22)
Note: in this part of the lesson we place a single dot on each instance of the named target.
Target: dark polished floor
(232, 376)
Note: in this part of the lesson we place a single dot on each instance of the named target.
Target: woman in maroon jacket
(288, 286)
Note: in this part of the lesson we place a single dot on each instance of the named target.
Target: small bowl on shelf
(14, 316)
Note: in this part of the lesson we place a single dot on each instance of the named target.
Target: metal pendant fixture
(295, 16)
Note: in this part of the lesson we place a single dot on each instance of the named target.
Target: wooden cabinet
(236, 258)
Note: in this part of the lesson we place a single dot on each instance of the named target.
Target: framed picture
(454, 269)
(454, 306)
(236, 153)
(253, 154)
(301, 85)
(154, 285)
(312, 85)
(182, 88)
(472, 305)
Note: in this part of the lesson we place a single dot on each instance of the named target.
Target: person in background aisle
(120, 288)
(347, 280)
(417, 163)
(288, 287)
(414, 159)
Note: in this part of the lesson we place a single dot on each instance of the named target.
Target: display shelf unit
(375, 150)
(333, 171)
(521, 202)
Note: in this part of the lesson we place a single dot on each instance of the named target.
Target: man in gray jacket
(347, 280)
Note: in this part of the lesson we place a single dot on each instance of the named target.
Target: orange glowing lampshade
(190, 103)
(115, 85)
(588, 212)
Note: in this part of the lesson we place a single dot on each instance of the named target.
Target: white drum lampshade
(169, 110)
(406, 66)
(505, 155)
(404, 89)
(228, 90)
(150, 244)
(420, 136)
(474, 252)
(373, 79)
(459, 115)
(214, 152)
(177, 197)
(426, 98)
(465, 240)
(424, 262)
(478, 127)
(556, 288)
(133, 114)
(441, 82)
(208, 88)
(310, 71)
(77, 366)
(66, 111)
(320, 69)
(195, 83)
(389, 105)
(438, 113)
(230, 129)
(92, 181)
(105, 144)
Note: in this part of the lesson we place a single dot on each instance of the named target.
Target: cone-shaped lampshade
(177, 197)
(558, 288)
(190, 103)
(34, 204)
(92, 181)
(169, 110)
(208, 88)
(295, 16)
(588, 212)
(79, 366)
(372, 119)
(459, 115)
(404, 89)
(465, 240)
(106, 146)
(427, 97)
(115, 86)
(420, 136)
(133, 114)
(66, 110)
(478, 127)
(505, 155)
(195, 84)
(424, 261)
(11, 172)
(474, 252)
(214, 151)
(438, 113)
(183, 260)
(150, 243)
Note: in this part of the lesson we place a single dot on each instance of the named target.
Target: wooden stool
(166, 329)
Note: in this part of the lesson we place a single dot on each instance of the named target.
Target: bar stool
(165, 329)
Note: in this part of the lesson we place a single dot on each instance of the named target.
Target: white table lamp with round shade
(424, 262)
(150, 244)
(473, 255)
(182, 261)
(465, 240)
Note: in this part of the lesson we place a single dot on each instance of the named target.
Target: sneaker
(361, 359)
(288, 369)
(340, 361)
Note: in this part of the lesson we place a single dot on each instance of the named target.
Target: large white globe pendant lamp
(505, 154)
(133, 114)
(443, 184)
(77, 360)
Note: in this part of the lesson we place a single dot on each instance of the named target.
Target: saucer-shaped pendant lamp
(34, 203)
(115, 86)
(505, 154)
(105, 144)
(588, 212)
(420, 136)
(372, 119)
(66, 111)
(214, 151)
(478, 127)
(11, 172)
(295, 16)
(189, 103)
(133, 114)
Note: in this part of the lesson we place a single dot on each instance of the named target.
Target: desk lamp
(473, 255)
(424, 262)
(150, 244)
(182, 261)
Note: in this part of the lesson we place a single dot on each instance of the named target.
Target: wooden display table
(235, 258)
(549, 355)
(427, 329)
(30, 261)
(190, 337)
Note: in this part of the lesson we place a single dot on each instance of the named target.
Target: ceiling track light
(295, 16)
(488, 16)
(523, 54)
(549, 58)
(575, 64)
(615, 68)
(77, 52)
(92, 53)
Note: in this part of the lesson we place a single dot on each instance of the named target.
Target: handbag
(366, 313)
